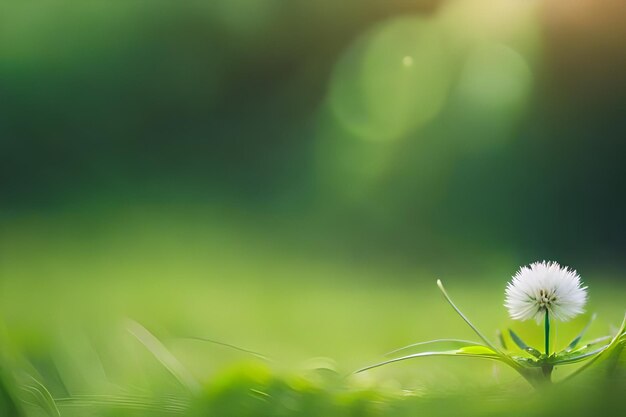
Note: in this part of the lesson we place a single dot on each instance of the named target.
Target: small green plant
(540, 291)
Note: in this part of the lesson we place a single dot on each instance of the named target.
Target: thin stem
(547, 334)
(469, 323)
(547, 368)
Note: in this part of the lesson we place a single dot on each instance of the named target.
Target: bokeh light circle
(392, 81)
(495, 78)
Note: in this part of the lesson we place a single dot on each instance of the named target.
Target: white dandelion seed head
(545, 287)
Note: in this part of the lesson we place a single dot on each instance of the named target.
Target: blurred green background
(293, 176)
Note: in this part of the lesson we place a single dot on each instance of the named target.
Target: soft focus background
(291, 177)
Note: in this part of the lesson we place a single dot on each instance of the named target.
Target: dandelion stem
(547, 334)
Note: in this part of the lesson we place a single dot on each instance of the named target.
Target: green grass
(69, 287)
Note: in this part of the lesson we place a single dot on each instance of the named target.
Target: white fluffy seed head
(545, 287)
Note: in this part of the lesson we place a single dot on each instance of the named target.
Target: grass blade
(228, 345)
(451, 343)
(478, 332)
(478, 354)
(163, 355)
(128, 402)
(42, 397)
(522, 345)
(595, 342)
(573, 358)
(501, 355)
(618, 338)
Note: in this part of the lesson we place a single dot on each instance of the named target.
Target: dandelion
(543, 290)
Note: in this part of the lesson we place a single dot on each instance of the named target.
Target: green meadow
(229, 207)
(254, 328)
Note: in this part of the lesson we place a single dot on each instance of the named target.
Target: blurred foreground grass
(69, 286)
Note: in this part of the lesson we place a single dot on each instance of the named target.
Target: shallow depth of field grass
(227, 207)
(71, 290)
